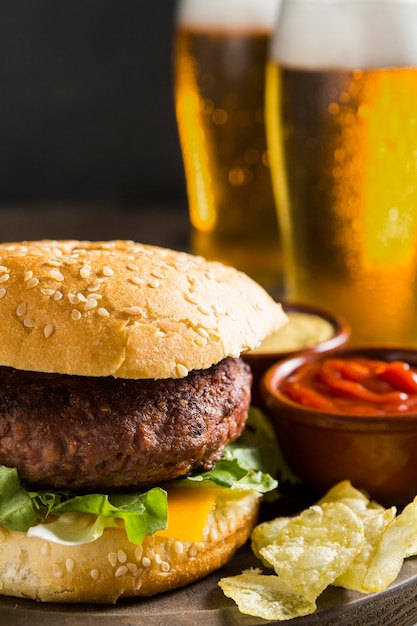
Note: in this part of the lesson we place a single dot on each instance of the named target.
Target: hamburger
(123, 402)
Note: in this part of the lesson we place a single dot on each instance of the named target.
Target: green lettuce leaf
(16, 508)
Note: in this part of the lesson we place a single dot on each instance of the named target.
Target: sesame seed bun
(125, 309)
(111, 567)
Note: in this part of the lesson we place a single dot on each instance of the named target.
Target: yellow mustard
(303, 330)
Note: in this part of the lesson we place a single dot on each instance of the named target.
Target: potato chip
(354, 498)
(265, 534)
(315, 547)
(397, 542)
(265, 596)
(375, 521)
(345, 539)
(343, 490)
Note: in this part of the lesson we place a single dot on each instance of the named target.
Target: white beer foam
(228, 13)
(324, 34)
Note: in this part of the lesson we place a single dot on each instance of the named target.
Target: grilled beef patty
(107, 434)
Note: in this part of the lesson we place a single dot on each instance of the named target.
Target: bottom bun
(111, 567)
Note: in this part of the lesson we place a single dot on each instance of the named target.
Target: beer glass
(342, 132)
(220, 53)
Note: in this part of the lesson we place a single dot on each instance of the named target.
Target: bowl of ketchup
(348, 415)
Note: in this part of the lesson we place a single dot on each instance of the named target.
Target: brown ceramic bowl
(377, 453)
(300, 335)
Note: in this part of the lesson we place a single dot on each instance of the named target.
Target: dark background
(86, 104)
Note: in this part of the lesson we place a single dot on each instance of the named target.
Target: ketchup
(354, 386)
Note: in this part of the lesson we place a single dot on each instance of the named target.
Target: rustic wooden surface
(202, 602)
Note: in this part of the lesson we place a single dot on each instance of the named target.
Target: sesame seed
(58, 295)
(191, 299)
(165, 566)
(178, 547)
(27, 275)
(3, 292)
(192, 550)
(157, 274)
(121, 556)
(45, 550)
(81, 297)
(112, 558)
(132, 567)
(57, 570)
(161, 334)
(32, 283)
(28, 323)
(154, 283)
(21, 309)
(136, 280)
(4, 278)
(214, 535)
(132, 266)
(202, 332)
(95, 285)
(107, 271)
(95, 574)
(73, 298)
(138, 553)
(219, 310)
(48, 330)
(48, 292)
(121, 571)
(146, 562)
(56, 275)
(204, 310)
(3, 268)
(182, 371)
(134, 310)
(90, 304)
(85, 271)
(102, 311)
(75, 315)
(70, 564)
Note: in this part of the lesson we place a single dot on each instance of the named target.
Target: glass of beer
(220, 54)
(342, 133)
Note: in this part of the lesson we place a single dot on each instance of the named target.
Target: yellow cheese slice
(188, 511)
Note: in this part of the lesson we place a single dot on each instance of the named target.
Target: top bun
(125, 309)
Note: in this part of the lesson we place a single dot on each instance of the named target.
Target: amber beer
(220, 60)
(342, 131)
